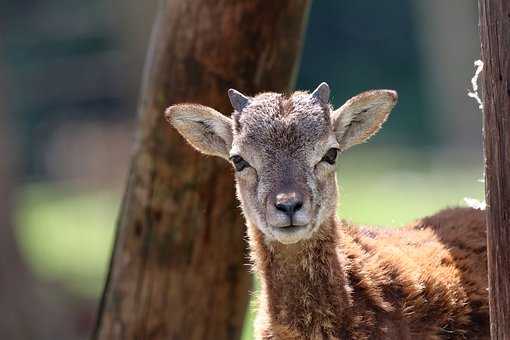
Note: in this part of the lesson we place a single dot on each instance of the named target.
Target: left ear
(362, 116)
(204, 128)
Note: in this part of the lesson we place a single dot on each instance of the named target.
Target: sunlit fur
(425, 281)
(331, 279)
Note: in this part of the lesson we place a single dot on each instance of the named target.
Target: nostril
(288, 202)
(289, 207)
(283, 207)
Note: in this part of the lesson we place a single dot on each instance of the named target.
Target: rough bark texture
(495, 39)
(178, 268)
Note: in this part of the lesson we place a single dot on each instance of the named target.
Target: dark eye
(330, 156)
(239, 162)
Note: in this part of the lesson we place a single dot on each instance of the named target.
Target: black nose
(289, 203)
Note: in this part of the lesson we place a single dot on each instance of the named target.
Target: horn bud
(238, 100)
(322, 93)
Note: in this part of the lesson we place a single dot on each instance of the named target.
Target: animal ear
(362, 116)
(204, 128)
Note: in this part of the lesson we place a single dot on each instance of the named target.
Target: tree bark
(178, 267)
(495, 40)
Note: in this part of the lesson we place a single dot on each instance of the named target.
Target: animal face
(283, 150)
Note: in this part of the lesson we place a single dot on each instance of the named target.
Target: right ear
(362, 116)
(204, 128)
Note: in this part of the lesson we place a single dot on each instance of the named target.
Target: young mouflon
(323, 278)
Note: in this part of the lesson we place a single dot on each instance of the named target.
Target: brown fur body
(325, 279)
(425, 281)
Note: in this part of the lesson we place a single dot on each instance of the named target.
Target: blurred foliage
(359, 45)
(67, 61)
(62, 63)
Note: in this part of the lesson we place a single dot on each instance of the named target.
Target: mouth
(291, 228)
(291, 233)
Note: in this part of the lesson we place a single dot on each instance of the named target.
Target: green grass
(67, 235)
(384, 189)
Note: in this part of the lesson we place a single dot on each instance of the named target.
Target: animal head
(283, 150)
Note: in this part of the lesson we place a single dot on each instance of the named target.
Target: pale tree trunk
(179, 269)
(495, 39)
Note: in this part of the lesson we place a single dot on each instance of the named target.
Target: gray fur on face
(283, 141)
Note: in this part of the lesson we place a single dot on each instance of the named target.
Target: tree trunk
(178, 268)
(495, 39)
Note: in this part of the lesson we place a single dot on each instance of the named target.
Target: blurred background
(69, 80)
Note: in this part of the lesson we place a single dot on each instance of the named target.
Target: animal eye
(330, 156)
(239, 162)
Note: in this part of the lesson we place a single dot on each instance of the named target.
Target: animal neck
(304, 286)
